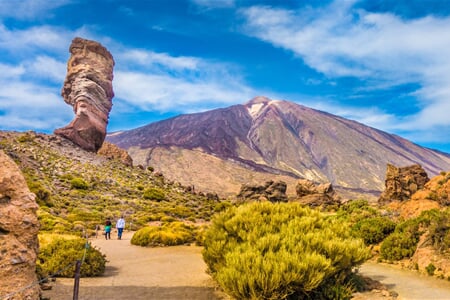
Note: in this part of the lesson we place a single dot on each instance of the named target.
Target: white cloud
(9, 71)
(155, 81)
(46, 67)
(166, 93)
(211, 4)
(26, 105)
(340, 41)
(150, 58)
(40, 38)
(31, 79)
(29, 9)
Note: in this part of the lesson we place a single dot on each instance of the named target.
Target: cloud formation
(161, 82)
(340, 40)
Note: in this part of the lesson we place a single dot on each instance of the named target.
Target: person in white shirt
(120, 225)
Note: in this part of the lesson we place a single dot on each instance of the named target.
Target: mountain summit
(263, 139)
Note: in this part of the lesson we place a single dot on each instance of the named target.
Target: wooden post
(77, 280)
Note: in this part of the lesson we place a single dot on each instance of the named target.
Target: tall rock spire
(88, 89)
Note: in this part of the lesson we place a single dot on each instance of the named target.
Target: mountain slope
(77, 189)
(273, 138)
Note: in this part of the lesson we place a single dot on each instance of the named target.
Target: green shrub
(79, 183)
(42, 194)
(168, 234)
(373, 230)
(55, 257)
(221, 206)
(430, 269)
(439, 228)
(154, 194)
(403, 242)
(357, 210)
(275, 251)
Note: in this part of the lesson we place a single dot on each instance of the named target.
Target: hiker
(120, 225)
(108, 226)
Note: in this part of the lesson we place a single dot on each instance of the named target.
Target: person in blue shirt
(108, 226)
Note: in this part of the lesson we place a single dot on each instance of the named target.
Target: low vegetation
(78, 190)
(59, 253)
(167, 234)
(276, 251)
(254, 251)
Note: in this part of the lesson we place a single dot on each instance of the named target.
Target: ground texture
(172, 273)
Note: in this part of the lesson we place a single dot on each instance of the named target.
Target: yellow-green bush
(155, 194)
(275, 251)
(58, 255)
(168, 234)
(79, 183)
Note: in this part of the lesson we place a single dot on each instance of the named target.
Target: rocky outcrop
(402, 183)
(437, 190)
(270, 191)
(111, 151)
(18, 234)
(88, 89)
(313, 195)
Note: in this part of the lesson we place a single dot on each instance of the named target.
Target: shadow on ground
(133, 292)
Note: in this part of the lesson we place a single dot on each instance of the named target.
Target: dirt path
(167, 273)
(135, 272)
(408, 284)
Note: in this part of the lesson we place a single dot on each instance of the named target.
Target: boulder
(270, 191)
(112, 151)
(88, 89)
(313, 195)
(19, 228)
(401, 183)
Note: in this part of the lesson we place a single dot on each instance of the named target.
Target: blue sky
(384, 63)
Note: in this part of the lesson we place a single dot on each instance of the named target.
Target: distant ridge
(221, 149)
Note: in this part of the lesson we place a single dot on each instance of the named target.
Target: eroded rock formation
(402, 183)
(88, 89)
(270, 191)
(111, 151)
(18, 233)
(313, 195)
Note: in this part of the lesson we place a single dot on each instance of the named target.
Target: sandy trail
(135, 272)
(172, 273)
(408, 284)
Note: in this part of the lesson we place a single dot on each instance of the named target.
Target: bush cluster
(79, 183)
(403, 242)
(155, 194)
(283, 250)
(357, 210)
(56, 256)
(373, 230)
(168, 234)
